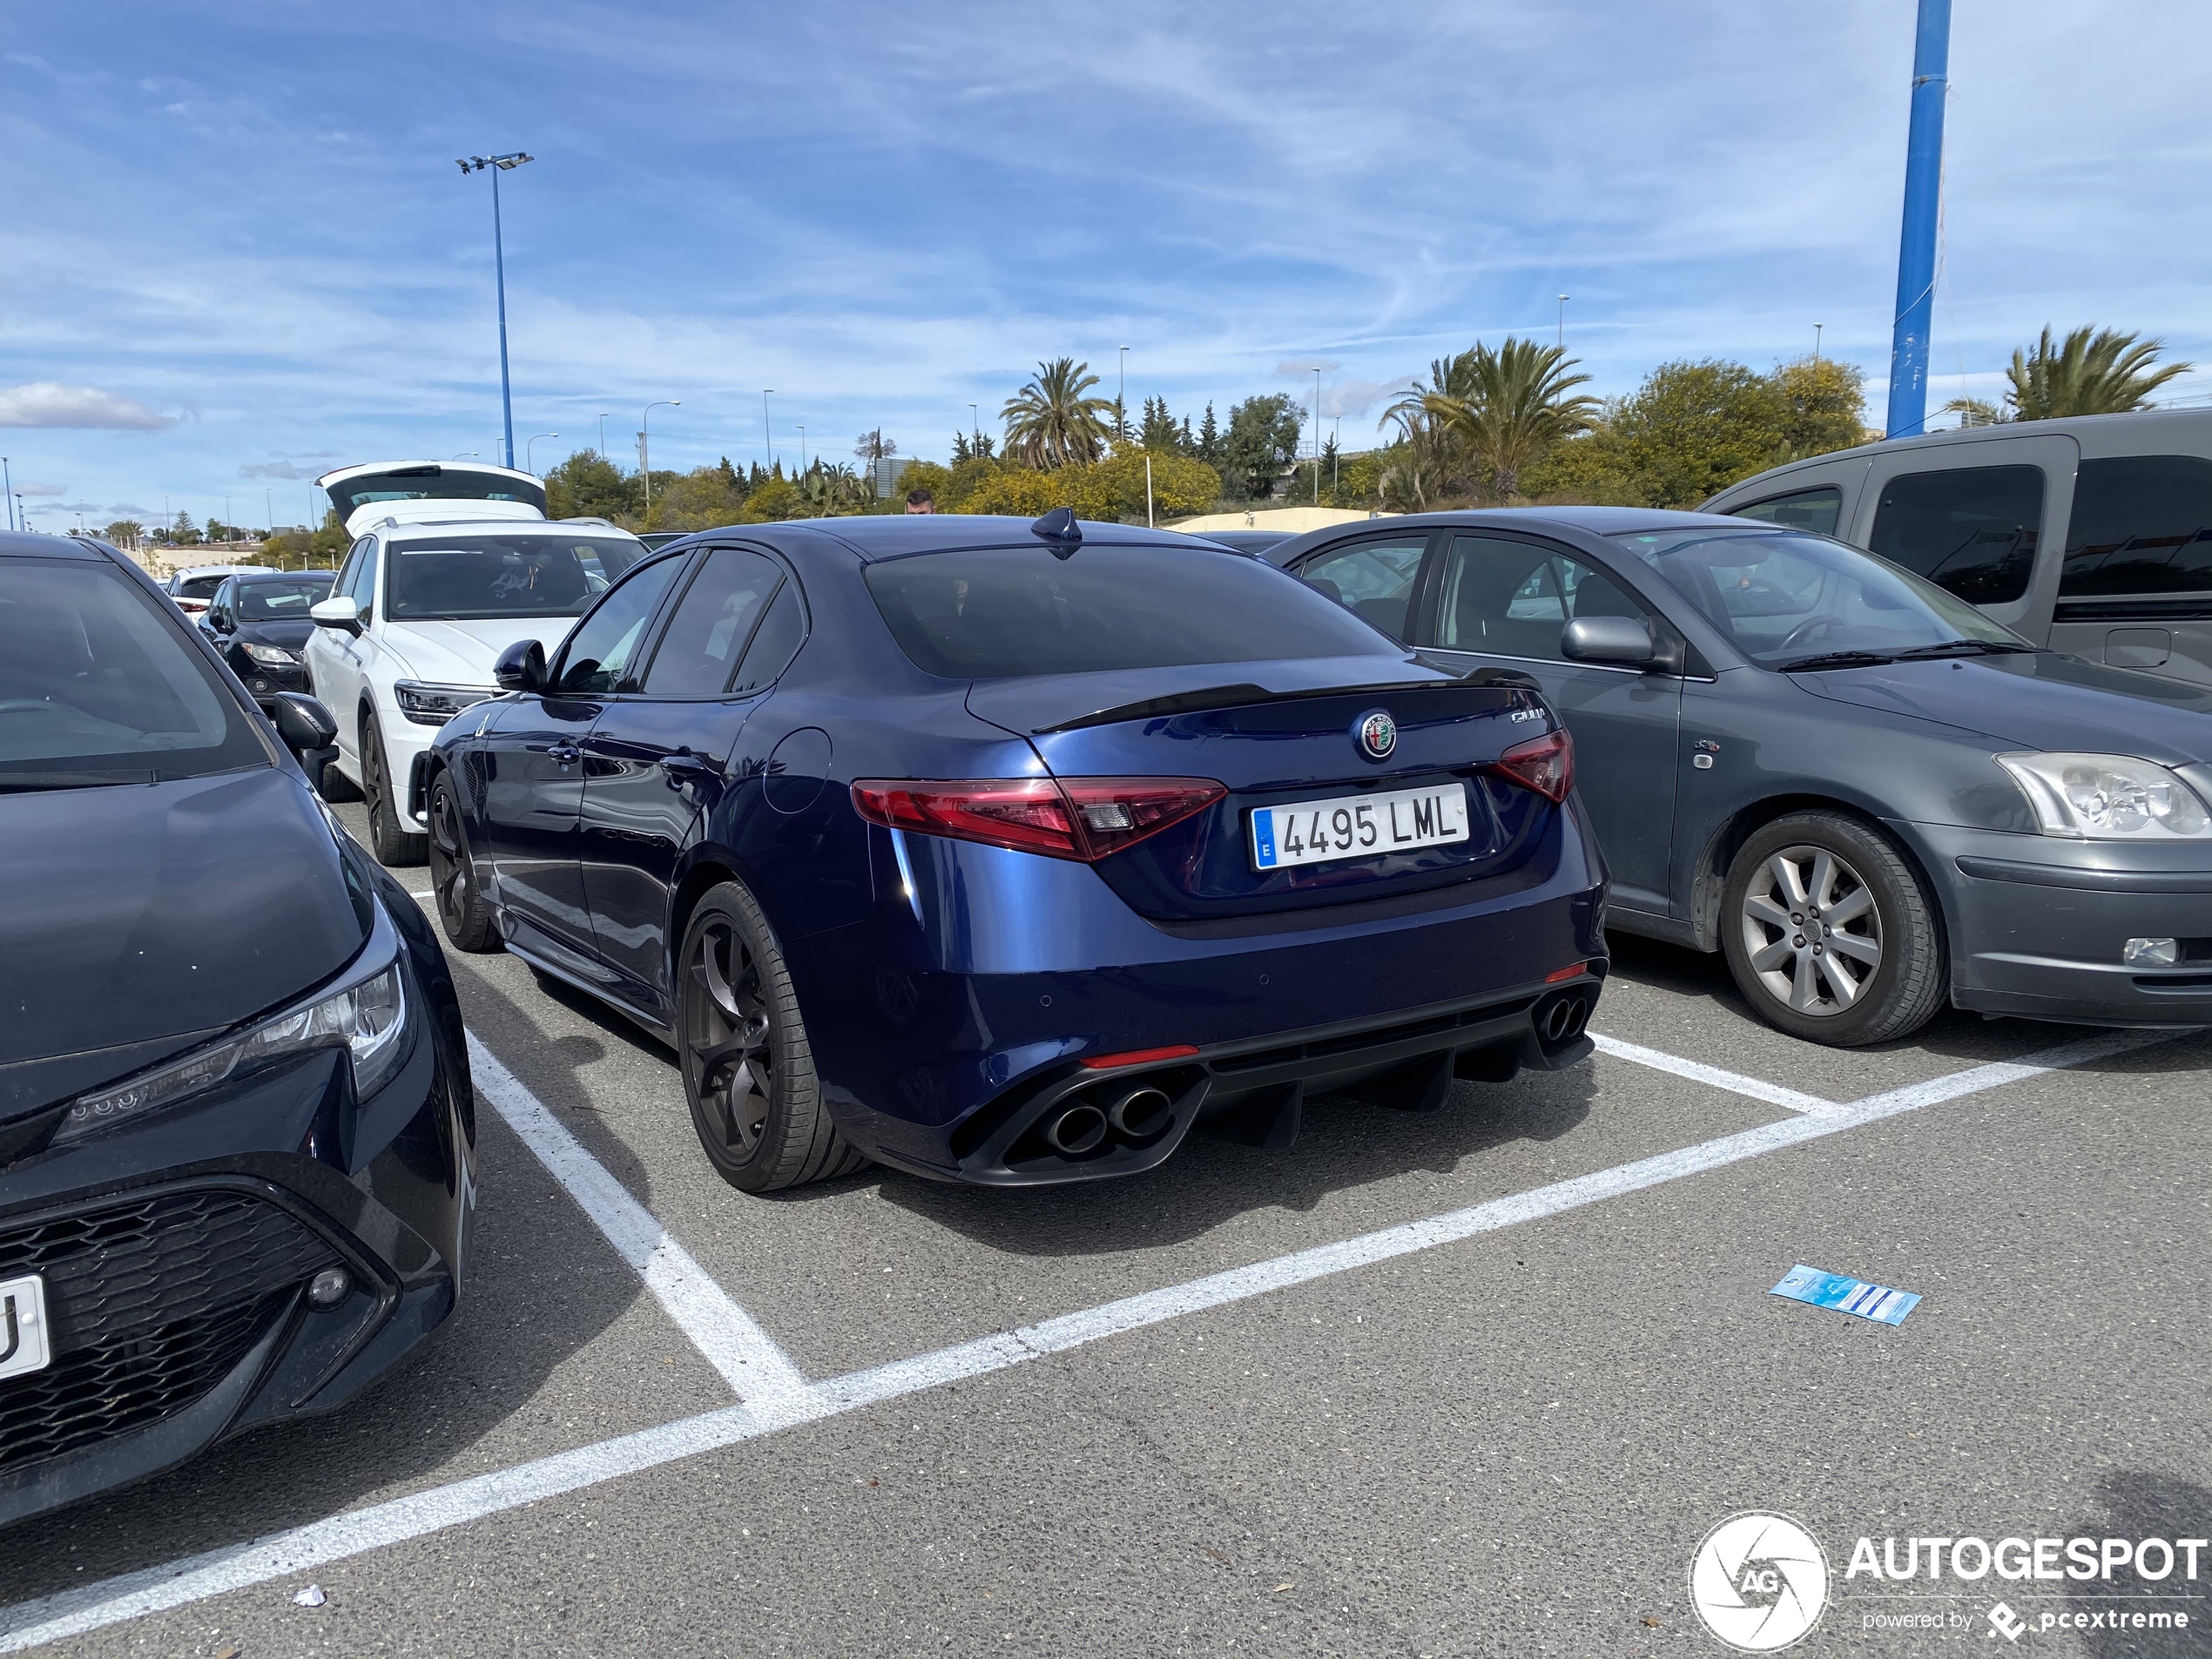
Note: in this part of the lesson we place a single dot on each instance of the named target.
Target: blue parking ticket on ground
(1876, 1302)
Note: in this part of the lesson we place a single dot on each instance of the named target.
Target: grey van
(2092, 535)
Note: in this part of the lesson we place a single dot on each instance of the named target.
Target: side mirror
(303, 723)
(1624, 642)
(521, 667)
(336, 613)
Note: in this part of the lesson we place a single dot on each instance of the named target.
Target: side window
(1972, 529)
(1516, 598)
(342, 585)
(1804, 509)
(362, 589)
(599, 653)
(1374, 578)
(714, 620)
(782, 632)
(219, 608)
(2141, 524)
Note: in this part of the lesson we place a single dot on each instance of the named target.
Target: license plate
(1356, 826)
(23, 1347)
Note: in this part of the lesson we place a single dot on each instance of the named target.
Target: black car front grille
(149, 1304)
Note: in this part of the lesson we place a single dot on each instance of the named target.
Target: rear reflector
(1572, 970)
(1086, 819)
(1544, 764)
(1140, 1056)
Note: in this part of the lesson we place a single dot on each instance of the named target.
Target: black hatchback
(1873, 799)
(236, 1128)
(259, 622)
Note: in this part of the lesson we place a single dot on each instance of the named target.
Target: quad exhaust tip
(1562, 1022)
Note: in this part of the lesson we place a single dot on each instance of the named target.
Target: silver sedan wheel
(1811, 931)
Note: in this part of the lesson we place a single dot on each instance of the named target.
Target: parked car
(259, 622)
(2092, 535)
(236, 1128)
(655, 540)
(1245, 541)
(1873, 798)
(1003, 854)
(433, 587)
(192, 589)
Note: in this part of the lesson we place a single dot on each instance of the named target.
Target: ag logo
(1378, 734)
(1760, 1582)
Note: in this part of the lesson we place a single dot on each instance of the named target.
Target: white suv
(436, 584)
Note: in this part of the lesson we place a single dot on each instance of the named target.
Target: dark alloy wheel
(748, 1072)
(1830, 935)
(463, 912)
(392, 842)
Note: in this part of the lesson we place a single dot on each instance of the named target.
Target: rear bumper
(176, 1258)
(959, 1014)
(2038, 926)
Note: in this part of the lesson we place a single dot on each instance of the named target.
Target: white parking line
(748, 1360)
(1757, 1089)
(154, 1590)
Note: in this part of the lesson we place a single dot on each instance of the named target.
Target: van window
(2141, 524)
(1970, 531)
(1803, 509)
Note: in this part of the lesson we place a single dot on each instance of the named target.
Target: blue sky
(236, 249)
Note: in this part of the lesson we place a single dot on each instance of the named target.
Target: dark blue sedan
(1005, 852)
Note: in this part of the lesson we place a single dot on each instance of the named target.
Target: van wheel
(392, 842)
(1828, 933)
(748, 1071)
(463, 912)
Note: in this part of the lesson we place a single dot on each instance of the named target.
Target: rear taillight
(1087, 818)
(1544, 764)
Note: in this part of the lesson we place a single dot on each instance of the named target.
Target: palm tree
(1516, 407)
(1433, 454)
(2095, 372)
(1050, 422)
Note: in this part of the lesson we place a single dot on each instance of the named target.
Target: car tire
(393, 843)
(748, 1072)
(333, 784)
(463, 912)
(1798, 888)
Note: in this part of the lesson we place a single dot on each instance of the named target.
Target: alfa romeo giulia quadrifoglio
(235, 1118)
(1005, 852)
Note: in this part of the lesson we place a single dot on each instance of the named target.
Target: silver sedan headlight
(366, 1016)
(2109, 797)
(428, 705)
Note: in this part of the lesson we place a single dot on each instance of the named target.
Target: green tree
(1262, 441)
(1208, 449)
(183, 532)
(1517, 405)
(928, 476)
(1693, 428)
(125, 532)
(1159, 432)
(1052, 422)
(588, 485)
(1823, 406)
(2096, 371)
(1975, 411)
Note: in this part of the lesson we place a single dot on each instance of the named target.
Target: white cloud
(280, 469)
(41, 490)
(49, 403)
(1355, 398)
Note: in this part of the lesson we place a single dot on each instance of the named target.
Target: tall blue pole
(1916, 253)
(499, 266)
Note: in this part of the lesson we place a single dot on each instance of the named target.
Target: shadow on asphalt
(1345, 1143)
(2136, 1504)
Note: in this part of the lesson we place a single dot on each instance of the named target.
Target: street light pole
(1120, 402)
(645, 450)
(496, 166)
(1562, 322)
(975, 426)
(767, 432)
(8, 487)
(802, 448)
(1916, 251)
(1815, 342)
(530, 452)
(1317, 435)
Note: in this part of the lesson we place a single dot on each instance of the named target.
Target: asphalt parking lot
(1473, 1382)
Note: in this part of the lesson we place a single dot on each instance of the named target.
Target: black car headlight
(273, 656)
(428, 705)
(365, 1014)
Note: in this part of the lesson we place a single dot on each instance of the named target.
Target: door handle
(564, 755)
(684, 767)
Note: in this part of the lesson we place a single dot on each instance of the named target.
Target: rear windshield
(996, 612)
(199, 587)
(281, 601)
(458, 577)
(430, 483)
(97, 687)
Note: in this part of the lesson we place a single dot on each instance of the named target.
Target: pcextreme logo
(1760, 1582)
